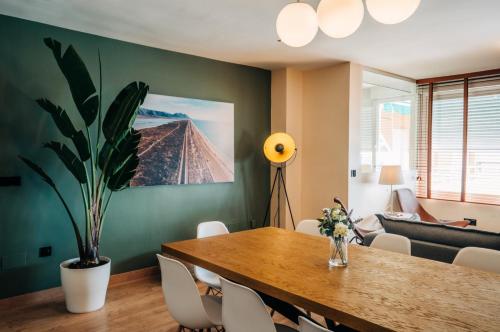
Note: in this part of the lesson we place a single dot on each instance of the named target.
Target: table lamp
(391, 175)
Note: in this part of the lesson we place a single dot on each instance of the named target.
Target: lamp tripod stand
(278, 177)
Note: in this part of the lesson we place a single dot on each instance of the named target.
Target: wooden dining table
(378, 290)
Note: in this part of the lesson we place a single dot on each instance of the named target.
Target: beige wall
(313, 106)
(325, 163)
(286, 116)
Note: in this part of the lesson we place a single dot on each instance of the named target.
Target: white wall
(488, 216)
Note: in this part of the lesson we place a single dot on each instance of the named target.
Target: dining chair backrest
(392, 242)
(181, 294)
(211, 228)
(305, 325)
(207, 229)
(479, 258)
(308, 226)
(243, 309)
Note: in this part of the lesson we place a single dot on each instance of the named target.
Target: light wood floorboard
(132, 306)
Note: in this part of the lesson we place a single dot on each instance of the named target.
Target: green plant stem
(91, 159)
(99, 112)
(87, 216)
(73, 222)
(105, 210)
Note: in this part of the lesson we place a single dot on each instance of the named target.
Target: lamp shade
(340, 18)
(391, 174)
(297, 24)
(279, 148)
(391, 11)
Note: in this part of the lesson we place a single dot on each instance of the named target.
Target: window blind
(447, 141)
(422, 140)
(483, 142)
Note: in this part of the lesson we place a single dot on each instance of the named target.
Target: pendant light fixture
(340, 18)
(297, 24)
(391, 11)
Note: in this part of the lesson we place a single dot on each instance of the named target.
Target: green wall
(140, 219)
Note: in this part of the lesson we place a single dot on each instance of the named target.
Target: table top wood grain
(378, 291)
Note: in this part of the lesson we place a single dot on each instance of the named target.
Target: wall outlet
(45, 251)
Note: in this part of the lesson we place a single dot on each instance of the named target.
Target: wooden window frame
(447, 79)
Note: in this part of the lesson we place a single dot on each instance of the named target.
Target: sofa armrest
(368, 239)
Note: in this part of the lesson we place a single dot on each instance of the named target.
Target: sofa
(436, 241)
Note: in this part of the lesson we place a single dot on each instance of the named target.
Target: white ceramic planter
(85, 289)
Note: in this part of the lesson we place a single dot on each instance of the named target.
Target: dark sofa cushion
(442, 234)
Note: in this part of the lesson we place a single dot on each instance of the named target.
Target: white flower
(341, 230)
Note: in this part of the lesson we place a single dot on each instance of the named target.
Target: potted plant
(103, 161)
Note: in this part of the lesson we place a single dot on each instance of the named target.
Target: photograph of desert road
(184, 141)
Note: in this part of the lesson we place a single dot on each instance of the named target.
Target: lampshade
(279, 147)
(297, 24)
(391, 174)
(391, 11)
(340, 18)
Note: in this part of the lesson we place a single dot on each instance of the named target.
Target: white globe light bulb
(391, 11)
(297, 24)
(340, 18)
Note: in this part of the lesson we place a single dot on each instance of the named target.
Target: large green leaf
(65, 126)
(70, 160)
(115, 156)
(80, 83)
(123, 110)
(121, 179)
(37, 169)
(82, 145)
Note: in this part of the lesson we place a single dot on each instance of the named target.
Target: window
(386, 125)
(458, 140)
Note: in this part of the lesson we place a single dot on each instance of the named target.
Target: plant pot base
(85, 289)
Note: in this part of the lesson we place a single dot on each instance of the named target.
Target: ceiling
(443, 37)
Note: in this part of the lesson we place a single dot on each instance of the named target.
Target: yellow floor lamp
(279, 148)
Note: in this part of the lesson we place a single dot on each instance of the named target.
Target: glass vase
(338, 251)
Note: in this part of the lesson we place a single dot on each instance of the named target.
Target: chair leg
(208, 290)
(272, 312)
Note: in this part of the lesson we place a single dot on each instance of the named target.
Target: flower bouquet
(335, 223)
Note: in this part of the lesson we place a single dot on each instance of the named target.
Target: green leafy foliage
(80, 84)
(37, 169)
(112, 158)
(123, 110)
(65, 126)
(70, 160)
(117, 159)
(121, 178)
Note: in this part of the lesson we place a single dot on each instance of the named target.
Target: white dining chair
(479, 258)
(207, 229)
(183, 300)
(244, 311)
(308, 226)
(392, 242)
(305, 325)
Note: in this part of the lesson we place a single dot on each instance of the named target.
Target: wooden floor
(132, 306)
